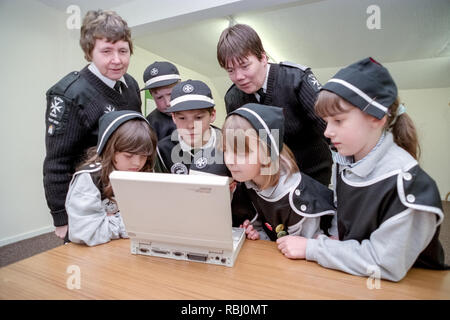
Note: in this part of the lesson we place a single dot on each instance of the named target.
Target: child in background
(195, 145)
(160, 77)
(286, 201)
(388, 209)
(125, 142)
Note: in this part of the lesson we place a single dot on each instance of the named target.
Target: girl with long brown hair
(125, 142)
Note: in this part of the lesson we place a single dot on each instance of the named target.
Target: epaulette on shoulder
(417, 190)
(311, 199)
(294, 65)
(62, 85)
(90, 168)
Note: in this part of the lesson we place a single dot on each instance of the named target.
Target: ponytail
(403, 129)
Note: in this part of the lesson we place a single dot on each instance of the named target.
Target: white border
(264, 124)
(191, 97)
(162, 78)
(360, 93)
(114, 121)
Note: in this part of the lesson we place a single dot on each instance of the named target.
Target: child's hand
(251, 233)
(61, 231)
(293, 247)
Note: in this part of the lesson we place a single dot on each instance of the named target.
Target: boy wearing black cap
(194, 145)
(290, 86)
(77, 101)
(389, 210)
(160, 77)
(125, 142)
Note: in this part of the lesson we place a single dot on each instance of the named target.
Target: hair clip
(401, 109)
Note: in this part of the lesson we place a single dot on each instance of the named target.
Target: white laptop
(183, 217)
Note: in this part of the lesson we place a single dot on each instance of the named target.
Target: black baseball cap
(109, 122)
(266, 118)
(190, 95)
(160, 74)
(367, 85)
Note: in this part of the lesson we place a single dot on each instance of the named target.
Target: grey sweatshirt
(391, 249)
(87, 212)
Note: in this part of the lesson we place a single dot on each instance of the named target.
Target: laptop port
(145, 250)
(177, 253)
(159, 251)
(197, 257)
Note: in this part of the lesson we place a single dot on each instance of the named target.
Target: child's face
(249, 74)
(161, 96)
(244, 165)
(193, 125)
(125, 161)
(353, 132)
(111, 59)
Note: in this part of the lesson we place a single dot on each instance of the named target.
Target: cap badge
(201, 162)
(154, 71)
(179, 168)
(188, 88)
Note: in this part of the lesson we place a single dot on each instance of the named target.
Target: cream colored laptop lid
(184, 209)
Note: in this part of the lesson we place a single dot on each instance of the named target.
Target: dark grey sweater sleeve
(391, 250)
(64, 132)
(307, 96)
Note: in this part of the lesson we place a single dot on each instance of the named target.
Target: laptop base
(196, 254)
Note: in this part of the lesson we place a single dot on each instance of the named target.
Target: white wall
(430, 111)
(37, 51)
(34, 54)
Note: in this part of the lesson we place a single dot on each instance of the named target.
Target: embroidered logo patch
(188, 88)
(109, 108)
(154, 71)
(57, 108)
(55, 114)
(314, 82)
(201, 162)
(179, 168)
(51, 130)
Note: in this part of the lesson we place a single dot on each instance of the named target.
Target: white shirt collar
(110, 83)
(264, 86)
(285, 185)
(364, 167)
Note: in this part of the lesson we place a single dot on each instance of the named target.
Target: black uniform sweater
(294, 89)
(162, 123)
(74, 106)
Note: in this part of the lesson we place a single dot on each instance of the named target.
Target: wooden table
(110, 271)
